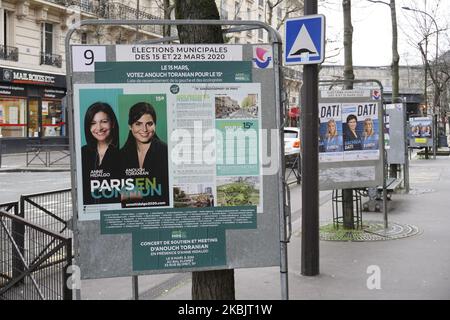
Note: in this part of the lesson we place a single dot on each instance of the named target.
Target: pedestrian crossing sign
(304, 40)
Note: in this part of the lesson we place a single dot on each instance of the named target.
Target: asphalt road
(14, 184)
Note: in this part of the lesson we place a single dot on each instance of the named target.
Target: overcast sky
(372, 30)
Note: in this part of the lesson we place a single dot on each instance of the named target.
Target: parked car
(291, 140)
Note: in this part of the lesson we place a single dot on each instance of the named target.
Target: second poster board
(350, 143)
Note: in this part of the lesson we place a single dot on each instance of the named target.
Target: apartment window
(5, 27)
(85, 5)
(260, 31)
(279, 13)
(47, 38)
(7, 52)
(249, 14)
(261, 3)
(224, 14)
(237, 9)
(47, 55)
(83, 38)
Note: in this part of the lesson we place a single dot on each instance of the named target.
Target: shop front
(31, 109)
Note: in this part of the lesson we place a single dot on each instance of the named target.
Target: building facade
(274, 15)
(32, 54)
(32, 75)
(32, 60)
(411, 82)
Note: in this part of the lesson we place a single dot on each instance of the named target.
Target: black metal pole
(310, 164)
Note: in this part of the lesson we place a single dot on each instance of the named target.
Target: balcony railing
(112, 10)
(119, 11)
(9, 53)
(51, 59)
(86, 6)
(290, 73)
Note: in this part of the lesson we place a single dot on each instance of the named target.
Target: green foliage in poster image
(238, 191)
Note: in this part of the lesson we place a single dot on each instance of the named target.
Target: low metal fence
(36, 246)
(51, 210)
(47, 154)
(10, 207)
(33, 261)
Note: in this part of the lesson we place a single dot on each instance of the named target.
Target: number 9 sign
(84, 57)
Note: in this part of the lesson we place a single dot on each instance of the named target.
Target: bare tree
(427, 24)
(348, 43)
(394, 64)
(420, 29)
(395, 55)
(349, 76)
(216, 284)
(165, 9)
(291, 6)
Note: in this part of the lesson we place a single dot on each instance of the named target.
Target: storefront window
(12, 117)
(51, 118)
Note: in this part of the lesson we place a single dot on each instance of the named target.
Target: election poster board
(387, 131)
(421, 132)
(395, 128)
(350, 139)
(170, 165)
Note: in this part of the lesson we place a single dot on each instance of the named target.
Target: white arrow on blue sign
(304, 40)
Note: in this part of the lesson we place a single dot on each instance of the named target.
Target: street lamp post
(435, 70)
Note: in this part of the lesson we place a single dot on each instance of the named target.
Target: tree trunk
(395, 56)
(167, 8)
(269, 13)
(213, 285)
(348, 42)
(347, 194)
(394, 69)
(217, 284)
(198, 9)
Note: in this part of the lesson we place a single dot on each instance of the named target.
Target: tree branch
(376, 1)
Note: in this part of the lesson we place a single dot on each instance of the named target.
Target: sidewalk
(416, 267)
(17, 162)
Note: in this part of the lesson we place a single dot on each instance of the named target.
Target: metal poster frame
(275, 42)
(402, 153)
(383, 155)
(415, 141)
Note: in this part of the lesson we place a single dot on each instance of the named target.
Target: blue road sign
(304, 40)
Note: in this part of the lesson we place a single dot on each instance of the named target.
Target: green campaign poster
(179, 248)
